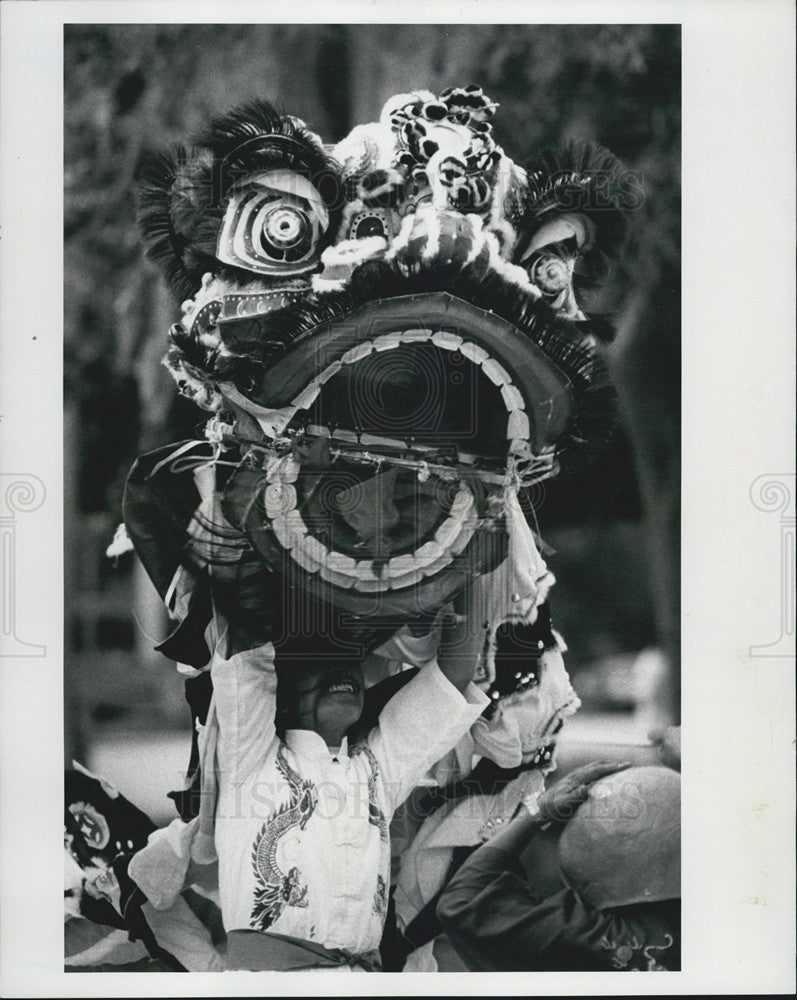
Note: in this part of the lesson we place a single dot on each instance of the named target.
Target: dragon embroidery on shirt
(375, 815)
(380, 897)
(377, 818)
(274, 888)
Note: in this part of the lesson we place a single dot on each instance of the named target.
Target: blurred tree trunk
(654, 426)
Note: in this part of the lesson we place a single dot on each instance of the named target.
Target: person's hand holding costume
(559, 802)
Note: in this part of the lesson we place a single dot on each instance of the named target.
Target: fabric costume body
(109, 922)
(491, 911)
(611, 900)
(504, 760)
(323, 288)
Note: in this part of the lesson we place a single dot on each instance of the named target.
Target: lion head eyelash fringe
(182, 193)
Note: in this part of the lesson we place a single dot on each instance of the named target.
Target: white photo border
(738, 391)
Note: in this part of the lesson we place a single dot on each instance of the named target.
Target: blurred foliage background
(615, 529)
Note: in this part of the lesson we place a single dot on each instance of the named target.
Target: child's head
(318, 688)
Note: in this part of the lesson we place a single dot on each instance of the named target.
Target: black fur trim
(182, 195)
(484, 288)
(600, 325)
(188, 348)
(580, 177)
(256, 137)
(157, 175)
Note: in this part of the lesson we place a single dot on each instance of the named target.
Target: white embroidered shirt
(301, 832)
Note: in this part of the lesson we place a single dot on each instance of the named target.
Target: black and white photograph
(421, 351)
(381, 440)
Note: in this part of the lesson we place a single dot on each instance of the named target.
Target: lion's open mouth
(389, 436)
(413, 426)
(430, 395)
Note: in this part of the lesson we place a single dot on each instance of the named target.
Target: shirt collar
(308, 743)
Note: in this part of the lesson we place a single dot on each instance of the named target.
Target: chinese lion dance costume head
(387, 338)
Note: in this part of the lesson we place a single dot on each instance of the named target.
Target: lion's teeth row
(451, 537)
(517, 430)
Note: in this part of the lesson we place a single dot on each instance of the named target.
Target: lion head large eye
(274, 224)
